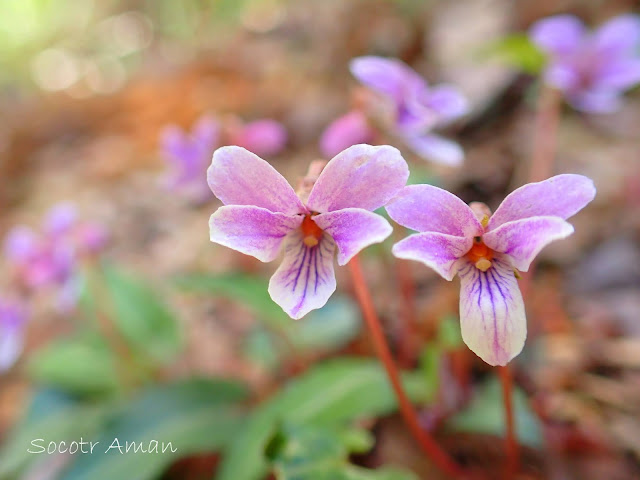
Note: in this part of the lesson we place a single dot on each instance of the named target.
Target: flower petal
(11, 344)
(386, 75)
(447, 101)
(263, 137)
(523, 239)
(562, 75)
(60, 219)
(619, 75)
(353, 229)
(492, 316)
(251, 230)
(238, 177)
(426, 208)
(206, 133)
(13, 315)
(350, 129)
(361, 176)
(305, 279)
(436, 149)
(595, 101)
(558, 35)
(20, 244)
(438, 251)
(618, 36)
(560, 196)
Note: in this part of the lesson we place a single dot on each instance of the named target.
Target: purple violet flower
(350, 129)
(415, 108)
(13, 317)
(262, 214)
(50, 259)
(484, 250)
(188, 155)
(592, 69)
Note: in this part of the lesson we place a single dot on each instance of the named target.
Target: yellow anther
(310, 241)
(483, 264)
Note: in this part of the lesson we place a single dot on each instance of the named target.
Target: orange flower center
(311, 232)
(480, 255)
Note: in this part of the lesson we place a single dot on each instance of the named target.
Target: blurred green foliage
(518, 51)
(329, 395)
(300, 452)
(486, 415)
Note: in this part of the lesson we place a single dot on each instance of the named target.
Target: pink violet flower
(263, 215)
(188, 154)
(416, 109)
(350, 129)
(49, 259)
(592, 69)
(262, 137)
(13, 317)
(485, 250)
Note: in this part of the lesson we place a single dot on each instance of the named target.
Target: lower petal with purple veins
(305, 279)
(492, 315)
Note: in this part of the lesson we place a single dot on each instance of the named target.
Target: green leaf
(449, 336)
(329, 328)
(249, 290)
(485, 414)
(52, 416)
(195, 416)
(333, 392)
(83, 365)
(142, 317)
(315, 453)
(518, 51)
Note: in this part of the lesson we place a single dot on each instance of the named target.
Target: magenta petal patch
(523, 239)
(353, 229)
(361, 176)
(305, 279)
(426, 208)
(436, 149)
(438, 251)
(560, 196)
(252, 230)
(492, 316)
(238, 177)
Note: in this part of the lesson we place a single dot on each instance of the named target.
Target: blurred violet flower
(485, 251)
(350, 129)
(414, 109)
(592, 69)
(263, 214)
(49, 259)
(188, 155)
(262, 137)
(13, 317)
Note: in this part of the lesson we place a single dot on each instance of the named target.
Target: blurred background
(87, 91)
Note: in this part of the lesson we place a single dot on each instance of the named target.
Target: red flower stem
(513, 453)
(407, 290)
(544, 152)
(426, 442)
